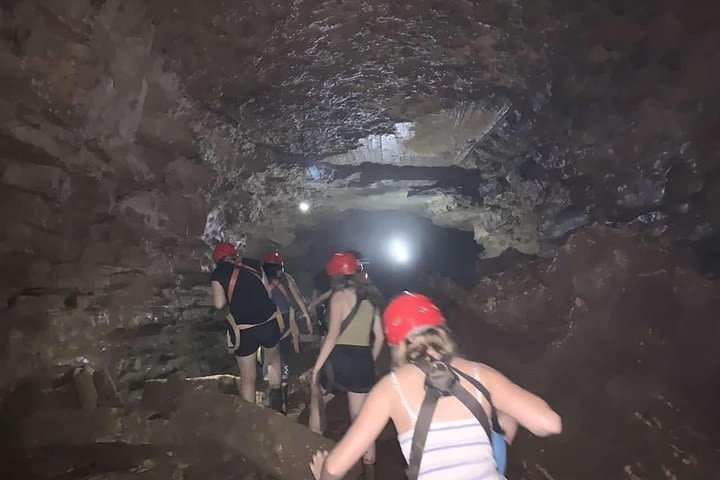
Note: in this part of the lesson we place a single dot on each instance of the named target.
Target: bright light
(304, 206)
(399, 251)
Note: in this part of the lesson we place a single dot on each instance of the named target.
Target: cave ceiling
(560, 114)
(516, 121)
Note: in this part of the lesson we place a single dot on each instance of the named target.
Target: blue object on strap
(499, 451)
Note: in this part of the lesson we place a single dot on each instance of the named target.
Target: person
(457, 445)
(322, 292)
(318, 301)
(253, 320)
(346, 361)
(288, 299)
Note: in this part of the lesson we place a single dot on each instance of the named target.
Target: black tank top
(250, 304)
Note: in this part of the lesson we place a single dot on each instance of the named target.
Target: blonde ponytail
(438, 339)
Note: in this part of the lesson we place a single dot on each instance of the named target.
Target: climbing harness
(234, 343)
(286, 290)
(443, 380)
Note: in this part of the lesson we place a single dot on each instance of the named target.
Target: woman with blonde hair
(441, 404)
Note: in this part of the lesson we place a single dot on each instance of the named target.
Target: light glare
(399, 251)
(304, 206)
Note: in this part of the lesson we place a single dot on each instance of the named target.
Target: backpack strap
(348, 320)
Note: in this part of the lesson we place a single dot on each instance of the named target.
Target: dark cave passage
(425, 250)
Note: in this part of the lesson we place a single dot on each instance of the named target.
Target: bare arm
(509, 425)
(320, 299)
(379, 335)
(295, 292)
(371, 420)
(530, 411)
(218, 294)
(332, 334)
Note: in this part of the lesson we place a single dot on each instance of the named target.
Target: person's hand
(316, 465)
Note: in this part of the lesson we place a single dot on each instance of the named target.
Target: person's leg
(355, 403)
(262, 362)
(318, 400)
(248, 372)
(285, 345)
(272, 357)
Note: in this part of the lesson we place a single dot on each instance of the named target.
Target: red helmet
(274, 258)
(222, 250)
(344, 263)
(408, 313)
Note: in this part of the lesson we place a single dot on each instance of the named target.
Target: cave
(547, 171)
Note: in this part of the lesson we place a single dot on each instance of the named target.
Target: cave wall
(620, 336)
(101, 183)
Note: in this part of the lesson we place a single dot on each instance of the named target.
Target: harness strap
(259, 275)
(282, 290)
(471, 403)
(441, 382)
(422, 428)
(231, 285)
(486, 393)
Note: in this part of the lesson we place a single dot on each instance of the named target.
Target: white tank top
(456, 449)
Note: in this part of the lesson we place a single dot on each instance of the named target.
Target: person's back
(357, 332)
(250, 303)
(457, 446)
(252, 321)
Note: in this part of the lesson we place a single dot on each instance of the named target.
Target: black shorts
(349, 368)
(266, 335)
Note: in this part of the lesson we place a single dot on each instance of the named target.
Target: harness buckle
(440, 378)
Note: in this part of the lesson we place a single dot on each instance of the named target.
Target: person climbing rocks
(449, 412)
(346, 361)
(288, 299)
(253, 319)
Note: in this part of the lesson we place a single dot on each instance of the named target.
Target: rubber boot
(284, 399)
(276, 400)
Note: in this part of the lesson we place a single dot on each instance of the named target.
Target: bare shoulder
(382, 388)
(383, 383)
(485, 372)
(407, 372)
